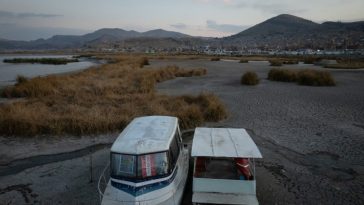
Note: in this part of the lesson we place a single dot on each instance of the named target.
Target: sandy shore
(311, 138)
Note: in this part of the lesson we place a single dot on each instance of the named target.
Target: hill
(291, 32)
(101, 36)
(281, 25)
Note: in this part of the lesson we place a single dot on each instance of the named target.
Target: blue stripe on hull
(137, 191)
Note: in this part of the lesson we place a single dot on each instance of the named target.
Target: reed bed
(101, 99)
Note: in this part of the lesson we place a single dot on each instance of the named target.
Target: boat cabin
(148, 148)
(148, 163)
(224, 166)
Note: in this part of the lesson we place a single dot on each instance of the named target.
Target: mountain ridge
(284, 31)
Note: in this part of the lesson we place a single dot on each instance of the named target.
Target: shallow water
(9, 71)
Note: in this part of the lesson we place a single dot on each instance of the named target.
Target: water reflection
(9, 71)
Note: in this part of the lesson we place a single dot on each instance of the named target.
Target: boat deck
(220, 169)
(218, 181)
(221, 198)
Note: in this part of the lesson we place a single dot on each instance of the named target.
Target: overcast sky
(33, 19)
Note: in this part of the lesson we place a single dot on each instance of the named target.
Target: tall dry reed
(101, 99)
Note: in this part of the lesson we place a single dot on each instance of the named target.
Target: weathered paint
(226, 186)
(220, 198)
(146, 135)
(223, 142)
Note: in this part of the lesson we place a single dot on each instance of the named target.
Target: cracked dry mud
(311, 138)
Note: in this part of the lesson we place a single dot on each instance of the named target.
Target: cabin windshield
(139, 166)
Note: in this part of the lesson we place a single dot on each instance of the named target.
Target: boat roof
(223, 142)
(146, 135)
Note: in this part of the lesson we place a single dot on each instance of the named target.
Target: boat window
(139, 167)
(223, 168)
(179, 138)
(123, 165)
(152, 165)
(174, 151)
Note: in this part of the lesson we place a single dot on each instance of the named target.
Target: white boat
(224, 166)
(148, 164)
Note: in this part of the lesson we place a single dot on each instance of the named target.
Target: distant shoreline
(50, 61)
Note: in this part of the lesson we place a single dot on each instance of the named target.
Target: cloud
(223, 1)
(12, 31)
(210, 28)
(226, 28)
(35, 15)
(276, 8)
(179, 26)
(273, 8)
(2, 24)
(7, 14)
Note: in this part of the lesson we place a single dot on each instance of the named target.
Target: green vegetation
(243, 61)
(215, 59)
(53, 61)
(303, 77)
(250, 78)
(102, 99)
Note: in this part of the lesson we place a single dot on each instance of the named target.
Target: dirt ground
(311, 138)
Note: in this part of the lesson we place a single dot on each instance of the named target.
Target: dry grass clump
(143, 61)
(37, 87)
(190, 73)
(284, 75)
(190, 116)
(275, 63)
(303, 77)
(101, 99)
(346, 65)
(210, 105)
(290, 62)
(311, 60)
(249, 78)
(171, 72)
(21, 79)
(315, 78)
(215, 59)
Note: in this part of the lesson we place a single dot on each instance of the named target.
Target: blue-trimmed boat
(148, 164)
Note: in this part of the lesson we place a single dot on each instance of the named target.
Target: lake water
(9, 71)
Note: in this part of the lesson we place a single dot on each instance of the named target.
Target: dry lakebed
(311, 139)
